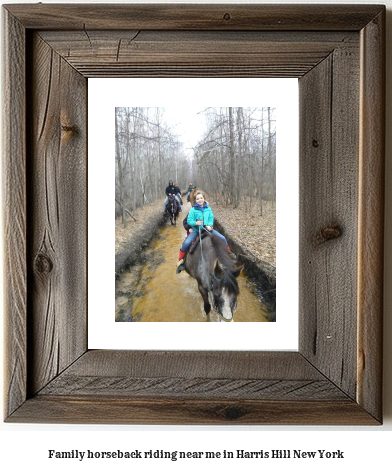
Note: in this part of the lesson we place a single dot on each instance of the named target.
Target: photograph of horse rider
(191, 187)
(171, 191)
(200, 215)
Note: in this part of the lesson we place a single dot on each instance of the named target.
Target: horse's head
(225, 290)
(170, 202)
(192, 196)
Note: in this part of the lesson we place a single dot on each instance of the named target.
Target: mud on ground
(131, 240)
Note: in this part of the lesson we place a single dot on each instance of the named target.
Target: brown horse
(192, 196)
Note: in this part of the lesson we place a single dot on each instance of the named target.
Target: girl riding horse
(210, 263)
(200, 215)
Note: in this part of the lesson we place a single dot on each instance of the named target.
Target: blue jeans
(192, 236)
(167, 198)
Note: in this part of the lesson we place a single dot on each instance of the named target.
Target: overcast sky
(187, 123)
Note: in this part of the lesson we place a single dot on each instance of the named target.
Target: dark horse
(172, 209)
(216, 275)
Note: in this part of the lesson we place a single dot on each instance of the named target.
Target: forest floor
(255, 233)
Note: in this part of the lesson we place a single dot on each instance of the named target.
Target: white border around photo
(104, 96)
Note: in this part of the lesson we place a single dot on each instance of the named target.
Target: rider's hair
(199, 191)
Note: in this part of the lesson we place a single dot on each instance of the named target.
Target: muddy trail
(151, 291)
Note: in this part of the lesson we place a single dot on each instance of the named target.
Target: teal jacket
(203, 214)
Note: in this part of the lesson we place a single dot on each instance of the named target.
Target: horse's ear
(217, 269)
(237, 271)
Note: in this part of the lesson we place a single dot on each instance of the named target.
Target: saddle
(196, 241)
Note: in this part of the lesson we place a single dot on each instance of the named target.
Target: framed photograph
(160, 294)
(337, 53)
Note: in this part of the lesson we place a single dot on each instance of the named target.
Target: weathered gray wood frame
(337, 52)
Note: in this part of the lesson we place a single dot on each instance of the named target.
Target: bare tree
(237, 154)
(234, 160)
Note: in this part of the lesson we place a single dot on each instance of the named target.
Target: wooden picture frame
(338, 54)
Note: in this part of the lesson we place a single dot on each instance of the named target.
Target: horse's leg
(207, 306)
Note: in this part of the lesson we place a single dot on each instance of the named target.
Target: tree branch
(126, 210)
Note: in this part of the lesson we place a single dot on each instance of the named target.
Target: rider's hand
(208, 227)
(198, 222)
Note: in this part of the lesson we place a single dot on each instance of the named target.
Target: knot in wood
(328, 233)
(43, 264)
(227, 16)
(68, 128)
(315, 143)
(232, 413)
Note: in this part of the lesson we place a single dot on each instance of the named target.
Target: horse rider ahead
(172, 191)
(191, 187)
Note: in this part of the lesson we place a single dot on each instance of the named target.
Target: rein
(209, 286)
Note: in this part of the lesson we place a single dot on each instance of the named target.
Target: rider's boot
(180, 264)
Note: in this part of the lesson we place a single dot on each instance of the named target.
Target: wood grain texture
(206, 374)
(335, 378)
(371, 216)
(207, 364)
(155, 411)
(14, 208)
(197, 53)
(57, 215)
(203, 388)
(195, 17)
(329, 137)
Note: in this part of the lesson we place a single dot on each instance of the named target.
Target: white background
(25, 447)
(104, 332)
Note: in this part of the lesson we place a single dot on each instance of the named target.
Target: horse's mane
(222, 252)
(229, 280)
(170, 200)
